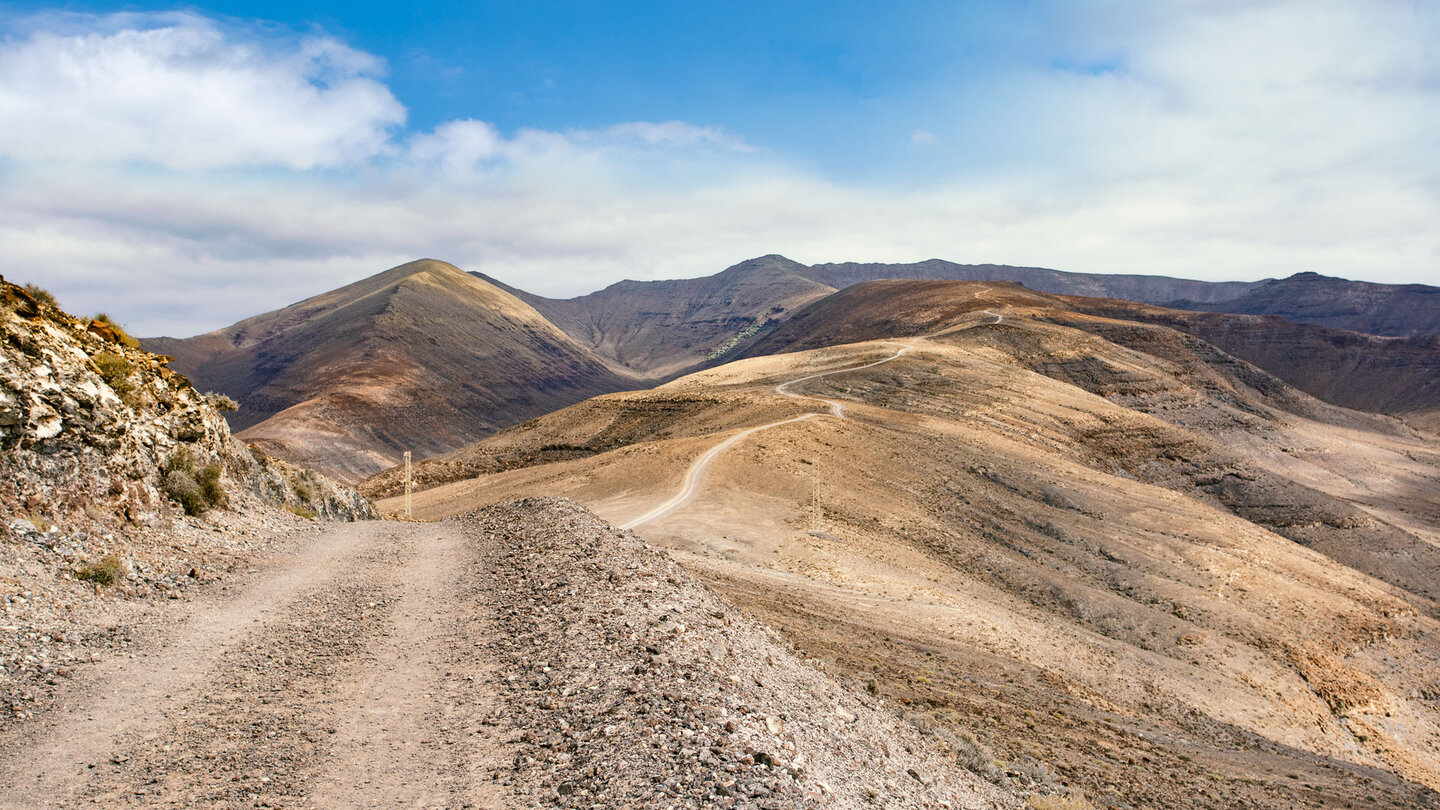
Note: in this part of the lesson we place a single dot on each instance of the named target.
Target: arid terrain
(1106, 551)
(422, 357)
(427, 358)
(924, 544)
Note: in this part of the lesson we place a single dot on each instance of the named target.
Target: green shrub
(303, 511)
(115, 370)
(42, 295)
(210, 485)
(120, 333)
(108, 571)
(182, 488)
(197, 491)
(222, 403)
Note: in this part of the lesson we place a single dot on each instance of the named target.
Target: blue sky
(184, 167)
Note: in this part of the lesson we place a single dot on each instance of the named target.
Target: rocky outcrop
(119, 482)
(99, 432)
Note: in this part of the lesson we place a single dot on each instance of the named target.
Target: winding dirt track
(694, 475)
(351, 672)
(696, 472)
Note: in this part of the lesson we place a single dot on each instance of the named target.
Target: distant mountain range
(429, 358)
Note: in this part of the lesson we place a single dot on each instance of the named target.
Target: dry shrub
(1075, 802)
(108, 571)
(115, 370)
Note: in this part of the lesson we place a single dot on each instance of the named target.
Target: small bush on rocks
(108, 571)
(115, 370)
(220, 402)
(42, 295)
(195, 491)
(124, 337)
(182, 487)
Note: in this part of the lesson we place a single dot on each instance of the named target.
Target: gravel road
(336, 676)
(525, 655)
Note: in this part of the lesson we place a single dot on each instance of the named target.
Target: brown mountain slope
(1397, 310)
(1398, 376)
(1129, 287)
(657, 329)
(1162, 577)
(421, 357)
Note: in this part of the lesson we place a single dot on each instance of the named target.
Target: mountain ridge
(421, 357)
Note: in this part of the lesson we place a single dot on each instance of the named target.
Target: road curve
(696, 472)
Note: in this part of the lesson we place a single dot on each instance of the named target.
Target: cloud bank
(183, 172)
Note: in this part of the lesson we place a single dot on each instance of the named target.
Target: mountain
(421, 357)
(1091, 550)
(1398, 376)
(657, 329)
(1398, 310)
(1153, 289)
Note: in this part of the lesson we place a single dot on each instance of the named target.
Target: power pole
(815, 498)
(408, 486)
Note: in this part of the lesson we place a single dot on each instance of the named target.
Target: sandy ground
(338, 674)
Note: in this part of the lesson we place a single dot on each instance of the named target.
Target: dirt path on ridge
(695, 473)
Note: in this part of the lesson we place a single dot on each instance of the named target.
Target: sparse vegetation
(1076, 802)
(109, 570)
(222, 403)
(121, 335)
(115, 370)
(304, 487)
(197, 491)
(302, 511)
(748, 332)
(42, 295)
(39, 521)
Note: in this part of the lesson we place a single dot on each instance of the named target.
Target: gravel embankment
(629, 684)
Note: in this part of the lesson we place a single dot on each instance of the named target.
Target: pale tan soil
(1011, 554)
(335, 675)
(526, 655)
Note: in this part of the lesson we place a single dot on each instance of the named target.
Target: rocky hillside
(657, 329)
(632, 685)
(1396, 310)
(113, 469)
(421, 357)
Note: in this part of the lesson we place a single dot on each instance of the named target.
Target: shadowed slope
(657, 329)
(1397, 310)
(422, 357)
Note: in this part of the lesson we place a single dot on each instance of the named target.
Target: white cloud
(1224, 140)
(924, 138)
(177, 91)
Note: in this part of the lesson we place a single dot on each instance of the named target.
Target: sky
(183, 167)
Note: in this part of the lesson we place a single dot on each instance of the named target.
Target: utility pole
(815, 498)
(408, 486)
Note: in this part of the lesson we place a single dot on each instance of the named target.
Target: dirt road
(350, 672)
(696, 471)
